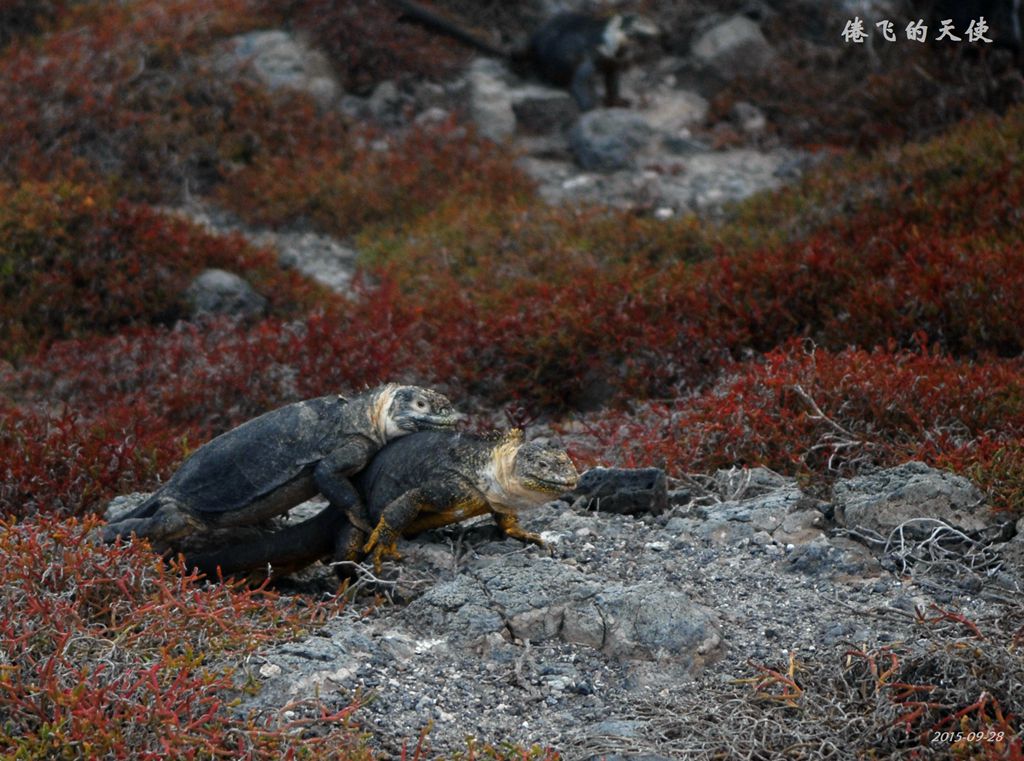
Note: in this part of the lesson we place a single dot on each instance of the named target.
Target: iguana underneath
(275, 461)
(422, 481)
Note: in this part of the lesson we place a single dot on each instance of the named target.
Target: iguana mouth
(436, 422)
(551, 485)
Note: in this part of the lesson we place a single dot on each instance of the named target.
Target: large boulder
(630, 491)
(912, 497)
(733, 48)
(217, 292)
(490, 101)
(281, 60)
(609, 139)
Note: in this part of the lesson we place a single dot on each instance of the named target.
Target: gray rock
(543, 110)
(725, 532)
(824, 557)
(490, 103)
(513, 597)
(914, 496)
(607, 139)
(321, 257)
(763, 513)
(733, 48)
(674, 111)
(749, 117)
(217, 292)
(541, 600)
(736, 483)
(387, 105)
(683, 175)
(629, 491)
(432, 116)
(801, 527)
(281, 60)
(647, 621)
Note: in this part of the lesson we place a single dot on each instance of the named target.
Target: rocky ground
(638, 635)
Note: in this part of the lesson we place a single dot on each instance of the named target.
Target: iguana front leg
(509, 524)
(393, 521)
(612, 98)
(332, 477)
(582, 86)
(436, 503)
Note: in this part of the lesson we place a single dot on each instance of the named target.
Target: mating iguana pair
(388, 462)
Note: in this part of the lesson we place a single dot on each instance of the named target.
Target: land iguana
(421, 481)
(568, 50)
(275, 461)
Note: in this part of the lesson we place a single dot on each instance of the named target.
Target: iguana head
(522, 475)
(405, 409)
(623, 31)
(545, 469)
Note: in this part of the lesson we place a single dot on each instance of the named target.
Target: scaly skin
(419, 482)
(268, 465)
(433, 479)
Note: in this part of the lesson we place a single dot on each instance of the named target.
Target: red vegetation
(110, 653)
(21, 18)
(71, 463)
(368, 44)
(76, 262)
(131, 93)
(352, 180)
(810, 411)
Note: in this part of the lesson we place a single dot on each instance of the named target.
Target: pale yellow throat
(383, 426)
(500, 485)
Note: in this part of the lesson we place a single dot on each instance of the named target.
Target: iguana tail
(282, 550)
(144, 509)
(428, 19)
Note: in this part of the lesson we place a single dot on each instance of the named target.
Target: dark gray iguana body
(275, 461)
(436, 479)
(421, 481)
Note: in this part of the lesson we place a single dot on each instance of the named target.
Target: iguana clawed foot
(382, 543)
(510, 526)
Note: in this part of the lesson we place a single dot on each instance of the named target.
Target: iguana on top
(422, 481)
(275, 461)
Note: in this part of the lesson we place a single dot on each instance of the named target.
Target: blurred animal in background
(570, 50)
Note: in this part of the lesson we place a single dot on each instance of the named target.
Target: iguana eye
(420, 404)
